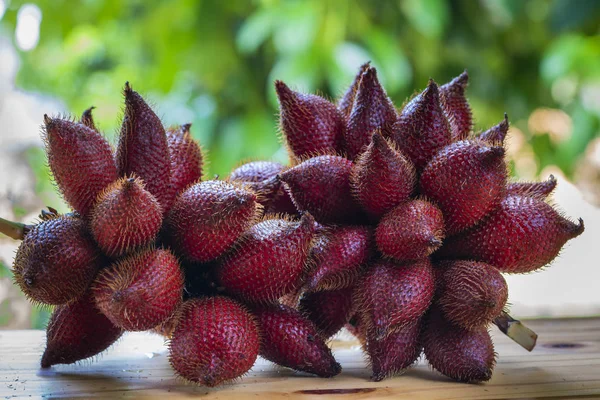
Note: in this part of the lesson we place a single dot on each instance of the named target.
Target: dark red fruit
(321, 186)
(207, 219)
(269, 261)
(329, 310)
(521, 235)
(496, 134)
(292, 341)
(186, 158)
(88, 120)
(216, 340)
(140, 291)
(467, 179)
(77, 331)
(311, 125)
(472, 293)
(540, 190)
(456, 107)
(347, 101)
(81, 161)
(382, 177)
(413, 230)
(372, 112)
(461, 354)
(125, 218)
(389, 295)
(57, 260)
(338, 256)
(396, 352)
(143, 149)
(422, 128)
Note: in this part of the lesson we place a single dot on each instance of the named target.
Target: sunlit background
(212, 63)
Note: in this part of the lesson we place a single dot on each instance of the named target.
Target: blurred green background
(213, 63)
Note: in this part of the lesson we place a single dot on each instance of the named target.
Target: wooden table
(565, 364)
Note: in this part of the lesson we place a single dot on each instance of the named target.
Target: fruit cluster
(395, 224)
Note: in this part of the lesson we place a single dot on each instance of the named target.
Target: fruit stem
(15, 230)
(517, 331)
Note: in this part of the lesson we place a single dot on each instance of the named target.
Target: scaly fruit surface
(291, 340)
(541, 190)
(186, 158)
(81, 161)
(140, 291)
(125, 217)
(456, 107)
(216, 340)
(497, 133)
(207, 219)
(57, 260)
(346, 102)
(329, 310)
(77, 331)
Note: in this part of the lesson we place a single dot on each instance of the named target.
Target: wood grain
(565, 364)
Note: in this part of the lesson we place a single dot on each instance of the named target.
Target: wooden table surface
(565, 364)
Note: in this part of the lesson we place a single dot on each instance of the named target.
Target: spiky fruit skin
(467, 179)
(521, 235)
(57, 260)
(208, 218)
(347, 100)
(81, 161)
(461, 354)
(143, 149)
(540, 190)
(390, 295)
(422, 128)
(456, 107)
(321, 186)
(413, 230)
(497, 133)
(337, 257)
(396, 352)
(216, 340)
(77, 331)
(382, 177)
(126, 217)
(141, 291)
(311, 125)
(472, 293)
(186, 158)
(291, 340)
(372, 111)
(269, 261)
(329, 310)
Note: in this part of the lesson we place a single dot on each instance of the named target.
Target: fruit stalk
(517, 331)
(14, 230)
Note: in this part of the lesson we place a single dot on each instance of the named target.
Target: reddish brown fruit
(472, 293)
(467, 179)
(382, 177)
(540, 190)
(143, 148)
(329, 310)
(292, 341)
(422, 128)
(57, 260)
(413, 230)
(125, 218)
(347, 101)
(311, 125)
(207, 219)
(81, 162)
(216, 340)
(496, 134)
(269, 260)
(88, 120)
(77, 331)
(338, 256)
(393, 354)
(186, 158)
(456, 107)
(140, 291)
(389, 295)
(321, 186)
(372, 112)
(461, 354)
(521, 235)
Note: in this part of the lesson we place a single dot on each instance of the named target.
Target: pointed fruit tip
(186, 127)
(576, 229)
(47, 120)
